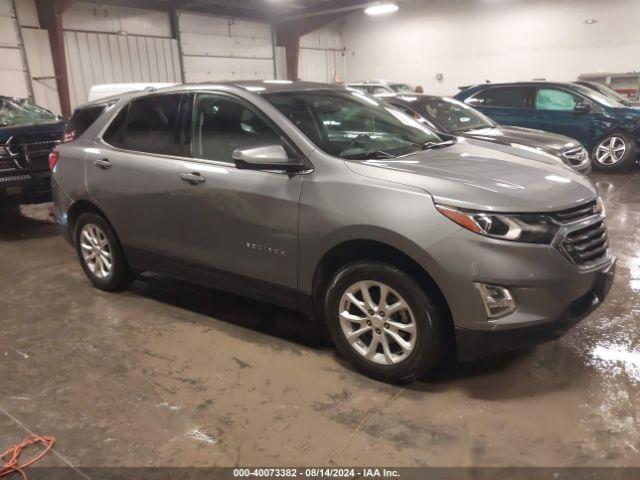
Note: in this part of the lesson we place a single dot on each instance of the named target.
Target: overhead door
(217, 48)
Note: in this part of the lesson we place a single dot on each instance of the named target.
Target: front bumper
(474, 344)
(551, 292)
(26, 187)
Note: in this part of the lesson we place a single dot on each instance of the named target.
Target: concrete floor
(172, 374)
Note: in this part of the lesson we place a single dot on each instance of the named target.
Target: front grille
(576, 156)
(574, 214)
(31, 152)
(14, 178)
(7, 165)
(587, 245)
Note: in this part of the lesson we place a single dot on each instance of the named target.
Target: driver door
(234, 221)
(555, 113)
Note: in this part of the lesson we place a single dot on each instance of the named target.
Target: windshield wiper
(435, 145)
(374, 155)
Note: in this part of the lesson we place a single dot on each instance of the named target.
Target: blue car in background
(609, 129)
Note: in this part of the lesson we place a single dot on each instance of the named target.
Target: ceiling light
(590, 21)
(381, 8)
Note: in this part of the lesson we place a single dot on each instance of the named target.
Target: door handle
(103, 164)
(193, 178)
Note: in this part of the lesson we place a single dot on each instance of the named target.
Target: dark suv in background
(608, 128)
(28, 134)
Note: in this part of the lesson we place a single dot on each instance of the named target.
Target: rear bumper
(474, 344)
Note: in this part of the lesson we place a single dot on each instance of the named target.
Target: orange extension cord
(12, 455)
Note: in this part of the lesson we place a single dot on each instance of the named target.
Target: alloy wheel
(96, 250)
(377, 322)
(610, 150)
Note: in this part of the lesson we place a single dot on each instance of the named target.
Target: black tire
(624, 163)
(428, 317)
(119, 277)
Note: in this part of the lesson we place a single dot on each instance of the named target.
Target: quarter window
(510, 97)
(222, 125)
(552, 99)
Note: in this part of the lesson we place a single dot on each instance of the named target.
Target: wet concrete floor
(173, 374)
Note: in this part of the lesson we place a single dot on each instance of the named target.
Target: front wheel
(615, 153)
(383, 322)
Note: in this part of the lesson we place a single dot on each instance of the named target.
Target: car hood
(43, 128)
(470, 175)
(516, 136)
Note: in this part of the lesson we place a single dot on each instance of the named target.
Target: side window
(114, 135)
(82, 119)
(222, 125)
(150, 125)
(552, 99)
(510, 97)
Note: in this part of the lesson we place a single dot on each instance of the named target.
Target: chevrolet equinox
(405, 243)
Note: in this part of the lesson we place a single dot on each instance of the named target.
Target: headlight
(527, 227)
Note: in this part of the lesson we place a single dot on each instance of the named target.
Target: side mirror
(269, 157)
(582, 107)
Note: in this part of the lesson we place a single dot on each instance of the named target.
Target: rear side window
(510, 97)
(150, 125)
(554, 99)
(82, 119)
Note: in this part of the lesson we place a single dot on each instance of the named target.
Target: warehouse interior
(172, 374)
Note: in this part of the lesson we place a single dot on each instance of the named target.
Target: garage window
(552, 99)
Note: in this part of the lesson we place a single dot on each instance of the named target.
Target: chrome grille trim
(575, 214)
(582, 236)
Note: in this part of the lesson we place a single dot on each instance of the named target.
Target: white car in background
(381, 88)
(109, 89)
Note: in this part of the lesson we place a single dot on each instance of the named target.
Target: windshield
(18, 111)
(605, 90)
(602, 99)
(454, 115)
(401, 87)
(351, 125)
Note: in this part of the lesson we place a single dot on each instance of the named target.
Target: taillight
(53, 159)
(69, 136)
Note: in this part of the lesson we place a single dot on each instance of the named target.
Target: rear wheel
(615, 153)
(383, 322)
(100, 253)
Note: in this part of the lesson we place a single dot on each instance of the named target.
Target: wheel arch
(78, 208)
(353, 250)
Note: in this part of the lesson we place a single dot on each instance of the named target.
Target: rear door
(132, 172)
(507, 105)
(555, 112)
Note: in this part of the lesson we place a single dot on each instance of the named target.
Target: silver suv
(404, 243)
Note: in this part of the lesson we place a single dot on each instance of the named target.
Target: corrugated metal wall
(95, 58)
(12, 66)
(113, 44)
(322, 56)
(219, 48)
